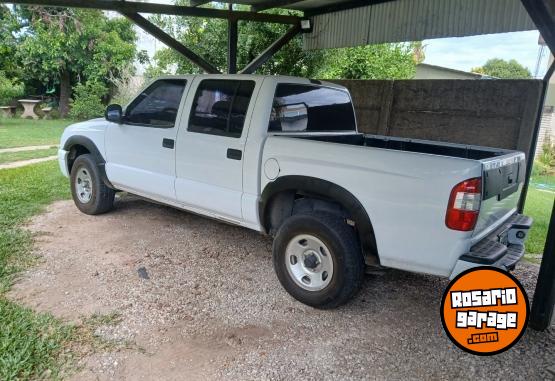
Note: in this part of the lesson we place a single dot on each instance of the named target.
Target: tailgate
(502, 181)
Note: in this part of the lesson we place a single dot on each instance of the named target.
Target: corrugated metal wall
(414, 20)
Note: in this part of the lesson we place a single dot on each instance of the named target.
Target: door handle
(168, 143)
(234, 154)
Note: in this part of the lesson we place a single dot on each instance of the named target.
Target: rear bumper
(502, 249)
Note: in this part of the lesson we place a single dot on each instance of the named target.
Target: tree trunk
(65, 93)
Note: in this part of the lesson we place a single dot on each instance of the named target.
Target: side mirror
(114, 113)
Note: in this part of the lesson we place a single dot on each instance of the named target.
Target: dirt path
(212, 308)
(28, 148)
(22, 163)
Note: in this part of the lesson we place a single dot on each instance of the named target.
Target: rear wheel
(89, 192)
(318, 259)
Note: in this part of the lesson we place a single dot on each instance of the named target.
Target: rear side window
(220, 106)
(310, 108)
(157, 106)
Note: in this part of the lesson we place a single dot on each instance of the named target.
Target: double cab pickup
(283, 156)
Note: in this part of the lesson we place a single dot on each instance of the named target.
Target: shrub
(87, 102)
(9, 89)
(547, 156)
(54, 114)
(540, 169)
(126, 86)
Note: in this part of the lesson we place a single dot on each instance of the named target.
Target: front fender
(74, 146)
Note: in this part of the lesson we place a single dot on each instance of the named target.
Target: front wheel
(318, 260)
(89, 192)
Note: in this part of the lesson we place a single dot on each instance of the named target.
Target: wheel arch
(78, 145)
(278, 197)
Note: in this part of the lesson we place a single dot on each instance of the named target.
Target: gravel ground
(199, 300)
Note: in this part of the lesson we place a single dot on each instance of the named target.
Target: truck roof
(257, 77)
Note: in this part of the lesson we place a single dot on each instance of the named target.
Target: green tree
(208, 38)
(9, 26)
(62, 47)
(384, 61)
(499, 68)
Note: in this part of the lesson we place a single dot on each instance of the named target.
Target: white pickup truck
(282, 156)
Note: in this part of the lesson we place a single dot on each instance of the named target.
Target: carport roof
(411, 20)
(345, 23)
(342, 23)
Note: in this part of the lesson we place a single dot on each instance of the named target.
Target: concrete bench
(46, 111)
(8, 111)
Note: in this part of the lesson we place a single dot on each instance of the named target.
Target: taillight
(464, 205)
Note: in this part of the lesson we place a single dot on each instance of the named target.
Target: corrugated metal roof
(414, 20)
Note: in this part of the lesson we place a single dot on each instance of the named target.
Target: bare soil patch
(22, 163)
(27, 148)
(207, 305)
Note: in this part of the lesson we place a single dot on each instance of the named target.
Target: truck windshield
(311, 108)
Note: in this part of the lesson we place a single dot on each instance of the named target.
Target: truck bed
(503, 170)
(414, 145)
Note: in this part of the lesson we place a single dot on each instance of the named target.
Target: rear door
(211, 140)
(503, 178)
(141, 151)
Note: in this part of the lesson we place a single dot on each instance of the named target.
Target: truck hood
(89, 125)
(90, 128)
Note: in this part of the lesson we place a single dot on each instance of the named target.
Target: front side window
(157, 105)
(220, 107)
(310, 108)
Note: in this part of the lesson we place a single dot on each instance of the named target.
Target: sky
(464, 53)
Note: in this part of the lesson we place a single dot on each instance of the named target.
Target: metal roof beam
(165, 9)
(272, 4)
(542, 13)
(336, 7)
(232, 38)
(544, 295)
(196, 3)
(271, 50)
(149, 27)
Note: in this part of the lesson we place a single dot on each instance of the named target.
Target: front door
(209, 163)
(141, 151)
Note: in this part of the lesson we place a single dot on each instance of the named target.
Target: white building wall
(547, 128)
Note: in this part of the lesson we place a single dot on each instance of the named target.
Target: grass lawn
(8, 157)
(17, 132)
(32, 345)
(539, 204)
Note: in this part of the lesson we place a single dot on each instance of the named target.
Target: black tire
(342, 242)
(102, 197)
